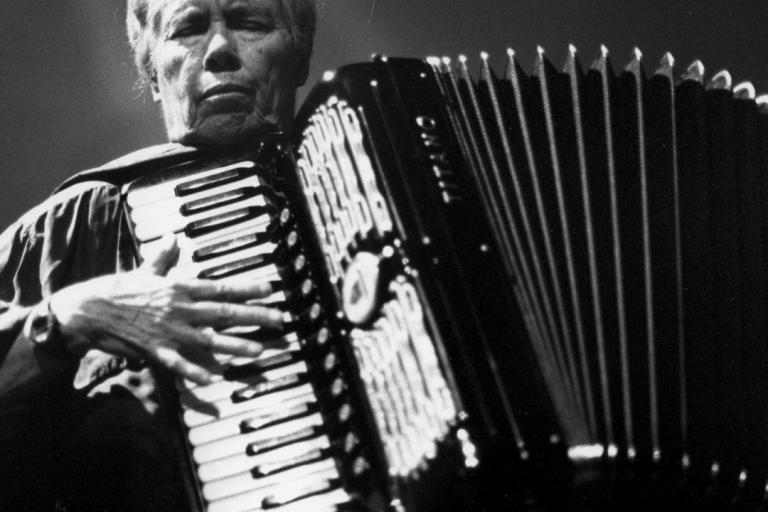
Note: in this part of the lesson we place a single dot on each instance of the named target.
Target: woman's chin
(227, 130)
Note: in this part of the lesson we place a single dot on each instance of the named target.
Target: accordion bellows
(608, 233)
(539, 291)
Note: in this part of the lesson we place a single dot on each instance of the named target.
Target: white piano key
(228, 427)
(221, 468)
(238, 444)
(268, 272)
(161, 191)
(262, 487)
(192, 269)
(205, 200)
(226, 408)
(225, 388)
(288, 343)
(326, 502)
(155, 227)
(187, 245)
(237, 361)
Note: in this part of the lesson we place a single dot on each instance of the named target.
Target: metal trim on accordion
(540, 291)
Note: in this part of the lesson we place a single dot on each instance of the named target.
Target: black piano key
(244, 371)
(224, 220)
(269, 386)
(276, 442)
(311, 489)
(263, 470)
(259, 422)
(310, 456)
(211, 181)
(220, 199)
(229, 246)
(236, 267)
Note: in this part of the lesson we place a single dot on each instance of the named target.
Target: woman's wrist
(44, 331)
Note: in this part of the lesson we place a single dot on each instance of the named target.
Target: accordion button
(323, 335)
(337, 387)
(351, 441)
(360, 466)
(285, 216)
(299, 263)
(345, 412)
(330, 362)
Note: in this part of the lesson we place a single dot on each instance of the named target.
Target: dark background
(68, 101)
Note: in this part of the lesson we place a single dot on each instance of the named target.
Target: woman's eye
(185, 32)
(252, 25)
(189, 27)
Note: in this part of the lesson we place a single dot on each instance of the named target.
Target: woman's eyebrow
(250, 7)
(173, 12)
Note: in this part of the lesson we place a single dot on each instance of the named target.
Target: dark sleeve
(77, 234)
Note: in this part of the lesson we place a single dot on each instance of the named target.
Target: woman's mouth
(225, 90)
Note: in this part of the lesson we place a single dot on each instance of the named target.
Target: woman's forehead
(166, 7)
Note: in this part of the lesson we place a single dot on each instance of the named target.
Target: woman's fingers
(208, 340)
(226, 314)
(166, 256)
(230, 290)
(171, 359)
(225, 344)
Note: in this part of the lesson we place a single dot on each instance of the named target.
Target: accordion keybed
(539, 291)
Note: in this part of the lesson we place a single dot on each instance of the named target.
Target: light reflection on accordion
(542, 291)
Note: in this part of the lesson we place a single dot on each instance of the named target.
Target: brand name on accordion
(437, 159)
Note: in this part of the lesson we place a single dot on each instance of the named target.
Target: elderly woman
(75, 310)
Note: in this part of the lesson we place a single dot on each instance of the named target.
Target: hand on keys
(143, 315)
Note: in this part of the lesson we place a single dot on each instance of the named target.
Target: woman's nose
(222, 54)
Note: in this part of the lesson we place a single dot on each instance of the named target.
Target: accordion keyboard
(272, 431)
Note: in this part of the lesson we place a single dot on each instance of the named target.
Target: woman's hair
(300, 15)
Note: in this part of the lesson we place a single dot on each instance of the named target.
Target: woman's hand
(143, 315)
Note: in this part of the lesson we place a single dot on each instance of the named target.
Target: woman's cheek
(171, 62)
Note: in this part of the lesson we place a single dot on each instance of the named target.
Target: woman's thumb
(164, 257)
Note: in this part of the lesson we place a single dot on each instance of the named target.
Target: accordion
(541, 291)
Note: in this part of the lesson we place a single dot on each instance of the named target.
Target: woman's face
(223, 70)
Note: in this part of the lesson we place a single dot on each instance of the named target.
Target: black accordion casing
(541, 291)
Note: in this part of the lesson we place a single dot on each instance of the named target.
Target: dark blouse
(82, 434)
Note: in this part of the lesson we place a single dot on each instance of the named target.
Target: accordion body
(534, 292)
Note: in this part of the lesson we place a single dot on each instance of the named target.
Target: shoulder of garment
(135, 164)
(75, 234)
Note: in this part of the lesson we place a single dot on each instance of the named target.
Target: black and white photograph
(383, 255)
